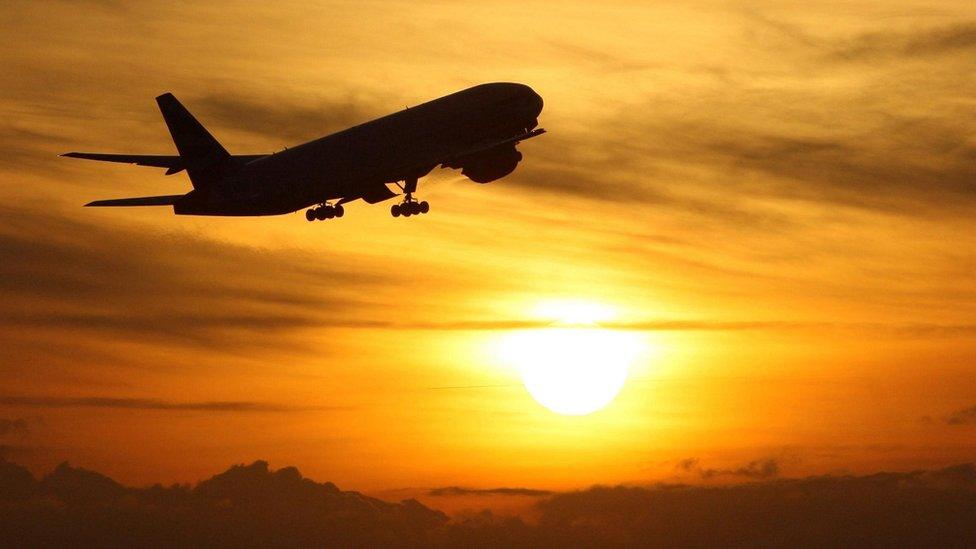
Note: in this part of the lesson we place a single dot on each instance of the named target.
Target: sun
(572, 367)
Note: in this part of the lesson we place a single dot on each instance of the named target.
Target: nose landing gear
(409, 207)
(324, 211)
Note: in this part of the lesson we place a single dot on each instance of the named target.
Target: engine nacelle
(489, 165)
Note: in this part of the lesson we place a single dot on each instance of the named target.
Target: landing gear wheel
(339, 210)
(310, 214)
(409, 206)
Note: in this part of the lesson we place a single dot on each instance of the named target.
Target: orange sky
(777, 199)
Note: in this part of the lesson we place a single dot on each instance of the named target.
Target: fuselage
(341, 166)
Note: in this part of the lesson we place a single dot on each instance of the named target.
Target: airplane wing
(172, 163)
(377, 192)
(484, 146)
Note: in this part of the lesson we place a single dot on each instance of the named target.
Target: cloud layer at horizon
(778, 199)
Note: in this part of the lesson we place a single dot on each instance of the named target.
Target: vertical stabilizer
(206, 159)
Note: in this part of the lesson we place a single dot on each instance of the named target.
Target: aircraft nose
(535, 101)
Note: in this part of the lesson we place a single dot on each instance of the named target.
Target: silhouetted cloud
(152, 404)
(461, 491)
(966, 416)
(244, 506)
(760, 469)
(256, 506)
(886, 509)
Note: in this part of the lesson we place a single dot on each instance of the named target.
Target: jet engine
(489, 165)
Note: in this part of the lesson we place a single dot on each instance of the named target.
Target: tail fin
(205, 158)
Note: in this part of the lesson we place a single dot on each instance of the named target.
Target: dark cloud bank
(253, 506)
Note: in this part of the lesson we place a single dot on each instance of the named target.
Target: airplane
(475, 130)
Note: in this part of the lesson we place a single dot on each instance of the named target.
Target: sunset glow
(744, 249)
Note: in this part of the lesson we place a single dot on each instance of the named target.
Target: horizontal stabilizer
(155, 160)
(172, 163)
(167, 200)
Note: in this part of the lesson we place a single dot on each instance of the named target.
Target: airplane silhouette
(475, 130)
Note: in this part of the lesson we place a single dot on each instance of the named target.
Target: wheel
(329, 212)
(310, 215)
(340, 211)
(414, 208)
(395, 210)
(424, 207)
(321, 214)
(405, 209)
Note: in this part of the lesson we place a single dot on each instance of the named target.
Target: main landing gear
(324, 211)
(409, 207)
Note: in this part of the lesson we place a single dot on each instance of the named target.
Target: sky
(775, 199)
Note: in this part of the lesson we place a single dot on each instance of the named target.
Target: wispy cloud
(939, 40)
(461, 491)
(966, 416)
(284, 120)
(60, 273)
(154, 404)
(16, 427)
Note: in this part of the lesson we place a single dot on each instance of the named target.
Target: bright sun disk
(573, 367)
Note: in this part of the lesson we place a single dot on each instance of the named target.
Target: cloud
(247, 505)
(58, 273)
(460, 491)
(863, 142)
(760, 469)
(152, 404)
(923, 508)
(16, 427)
(914, 329)
(966, 416)
(934, 41)
(28, 149)
(257, 506)
(19, 452)
(284, 120)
